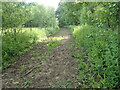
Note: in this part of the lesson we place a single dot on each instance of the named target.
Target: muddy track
(54, 67)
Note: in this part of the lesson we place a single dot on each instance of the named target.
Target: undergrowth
(15, 44)
(98, 65)
(51, 31)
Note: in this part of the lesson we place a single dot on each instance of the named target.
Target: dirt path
(46, 69)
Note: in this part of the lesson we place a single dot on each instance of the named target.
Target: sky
(53, 3)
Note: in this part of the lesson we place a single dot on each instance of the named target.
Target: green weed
(22, 68)
(51, 31)
(62, 84)
(16, 44)
(98, 65)
(52, 44)
(26, 83)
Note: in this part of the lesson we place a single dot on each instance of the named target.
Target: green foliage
(14, 14)
(26, 83)
(62, 84)
(96, 35)
(24, 40)
(42, 17)
(66, 14)
(53, 44)
(101, 14)
(51, 31)
(101, 47)
(16, 45)
(22, 68)
(34, 54)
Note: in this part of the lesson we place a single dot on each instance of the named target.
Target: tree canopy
(101, 14)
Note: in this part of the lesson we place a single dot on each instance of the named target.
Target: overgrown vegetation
(24, 40)
(94, 26)
(95, 29)
(100, 14)
(101, 45)
(23, 25)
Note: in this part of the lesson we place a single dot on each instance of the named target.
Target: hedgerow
(101, 51)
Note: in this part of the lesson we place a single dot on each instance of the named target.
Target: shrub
(50, 31)
(102, 53)
(12, 47)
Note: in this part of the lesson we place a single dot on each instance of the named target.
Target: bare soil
(48, 69)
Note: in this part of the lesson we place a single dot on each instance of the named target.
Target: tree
(14, 14)
(101, 14)
(42, 17)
